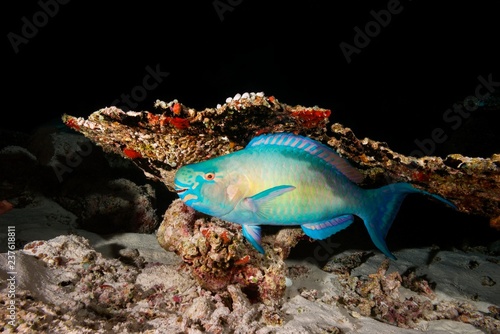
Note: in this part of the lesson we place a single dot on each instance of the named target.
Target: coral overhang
(159, 143)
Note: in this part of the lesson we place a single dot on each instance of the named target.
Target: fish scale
(286, 179)
(298, 173)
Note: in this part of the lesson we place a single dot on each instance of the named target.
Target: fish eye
(209, 176)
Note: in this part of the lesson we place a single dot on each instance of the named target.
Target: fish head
(210, 188)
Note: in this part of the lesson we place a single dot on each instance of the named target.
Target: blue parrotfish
(286, 179)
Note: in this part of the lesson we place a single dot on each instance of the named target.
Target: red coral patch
(132, 154)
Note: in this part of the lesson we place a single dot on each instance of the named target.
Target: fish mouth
(181, 190)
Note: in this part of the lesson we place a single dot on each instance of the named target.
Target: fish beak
(180, 191)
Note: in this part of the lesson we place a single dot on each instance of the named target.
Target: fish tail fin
(385, 203)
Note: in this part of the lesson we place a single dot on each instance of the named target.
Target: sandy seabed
(68, 280)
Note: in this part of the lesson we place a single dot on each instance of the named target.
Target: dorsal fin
(313, 147)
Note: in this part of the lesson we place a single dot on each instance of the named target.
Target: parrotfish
(286, 179)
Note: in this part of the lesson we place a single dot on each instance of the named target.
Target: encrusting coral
(160, 143)
(472, 184)
(218, 257)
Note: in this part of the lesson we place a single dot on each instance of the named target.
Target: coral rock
(472, 184)
(160, 143)
(218, 255)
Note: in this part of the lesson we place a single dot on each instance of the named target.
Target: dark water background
(420, 60)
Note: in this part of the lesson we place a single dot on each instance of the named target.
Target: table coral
(472, 184)
(159, 143)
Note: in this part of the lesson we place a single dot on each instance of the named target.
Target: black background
(395, 90)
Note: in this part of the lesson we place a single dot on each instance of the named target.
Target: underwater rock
(18, 171)
(105, 192)
(217, 255)
(159, 143)
(106, 206)
(379, 295)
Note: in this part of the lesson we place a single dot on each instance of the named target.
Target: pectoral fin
(252, 234)
(269, 194)
(257, 203)
(323, 230)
